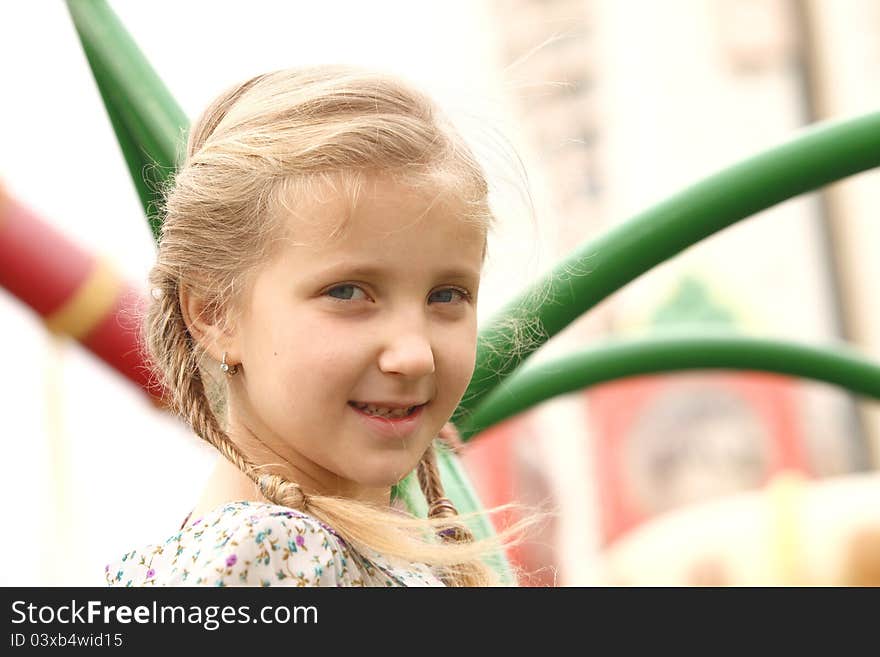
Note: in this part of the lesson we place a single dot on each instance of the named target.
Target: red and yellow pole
(75, 293)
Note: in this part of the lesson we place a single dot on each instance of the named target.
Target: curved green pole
(143, 171)
(149, 126)
(821, 155)
(667, 352)
(148, 122)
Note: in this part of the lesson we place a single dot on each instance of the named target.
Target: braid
(439, 506)
(191, 401)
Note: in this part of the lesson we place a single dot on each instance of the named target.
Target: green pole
(669, 351)
(148, 122)
(821, 155)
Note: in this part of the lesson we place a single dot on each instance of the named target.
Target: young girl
(314, 319)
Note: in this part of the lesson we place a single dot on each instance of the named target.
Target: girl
(314, 319)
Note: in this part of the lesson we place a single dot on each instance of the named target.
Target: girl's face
(386, 313)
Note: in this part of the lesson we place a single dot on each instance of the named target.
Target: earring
(228, 369)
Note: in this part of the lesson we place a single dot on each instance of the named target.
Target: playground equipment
(150, 128)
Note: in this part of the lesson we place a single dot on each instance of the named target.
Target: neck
(227, 483)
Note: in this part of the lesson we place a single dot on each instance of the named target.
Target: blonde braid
(439, 506)
(190, 400)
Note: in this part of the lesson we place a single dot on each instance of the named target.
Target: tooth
(383, 412)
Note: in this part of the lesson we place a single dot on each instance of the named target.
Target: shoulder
(270, 545)
(242, 544)
(260, 520)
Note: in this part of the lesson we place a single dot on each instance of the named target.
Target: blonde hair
(291, 134)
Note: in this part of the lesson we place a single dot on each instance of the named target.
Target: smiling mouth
(387, 414)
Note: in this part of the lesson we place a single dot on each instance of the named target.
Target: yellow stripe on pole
(88, 305)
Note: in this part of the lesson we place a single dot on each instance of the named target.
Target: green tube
(668, 352)
(140, 166)
(824, 154)
(149, 123)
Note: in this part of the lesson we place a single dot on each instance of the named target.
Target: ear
(206, 328)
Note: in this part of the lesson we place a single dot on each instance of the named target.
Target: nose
(408, 353)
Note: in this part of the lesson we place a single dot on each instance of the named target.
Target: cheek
(317, 361)
(460, 359)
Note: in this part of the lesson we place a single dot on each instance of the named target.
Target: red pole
(75, 293)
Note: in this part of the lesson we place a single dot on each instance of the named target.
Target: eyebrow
(380, 272)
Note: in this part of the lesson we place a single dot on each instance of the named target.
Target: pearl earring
(228, 369)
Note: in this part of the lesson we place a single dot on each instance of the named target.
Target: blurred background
(700, 478)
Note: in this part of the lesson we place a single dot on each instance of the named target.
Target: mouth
(389, 414)
(398, 425)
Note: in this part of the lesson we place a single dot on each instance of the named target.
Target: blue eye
(464, 294)
(343, 287)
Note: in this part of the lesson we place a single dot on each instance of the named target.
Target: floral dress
(260, 544)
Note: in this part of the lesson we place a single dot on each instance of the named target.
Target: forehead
(386, 220)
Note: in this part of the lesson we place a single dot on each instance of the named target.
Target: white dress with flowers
(260, 544)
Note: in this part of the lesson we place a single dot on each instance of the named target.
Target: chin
(382, 482)
(384, 479)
